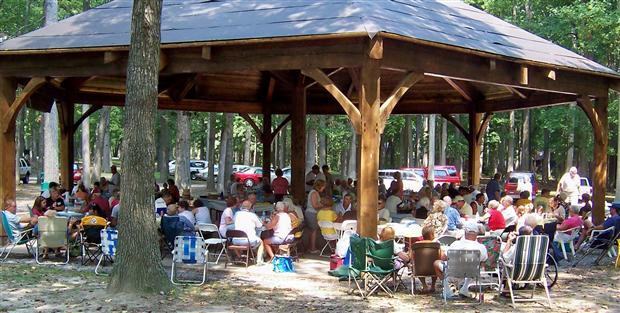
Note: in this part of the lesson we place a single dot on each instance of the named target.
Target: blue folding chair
(189, 250)
(109, 242)
(24, 238)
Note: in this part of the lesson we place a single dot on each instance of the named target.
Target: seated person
(294, 209)
(55, 201)
(573, 221)
(508, 250)
(114, 216)
(437, 219)
(161, 203)
(226, 220)
(282, 225)
(326, 214)
(387, 234)
(541, 203)
(508, 211)
(102, 202)
(175, 227)
(247, 222)
(39, 206)
(464, 209)
(428, 235)
(201, 212)
(344, 206)
(392, 204)
(10, 213)
(454, 221)
(383, 214)
(468, 242)
(421, 208)
(185, 212)
(493, 217)
(524, 199)
(612, 220)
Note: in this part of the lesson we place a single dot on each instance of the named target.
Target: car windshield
(440, 173)
(451, 171)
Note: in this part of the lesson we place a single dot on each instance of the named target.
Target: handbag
(283, 264)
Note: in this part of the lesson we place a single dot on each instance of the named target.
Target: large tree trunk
(571, 137)
(86, 167)
(408, 153)
(419, 130)
(444, 142)
(19, 149)
(102, 129)
(431, 147)
(106, 161)
(510, 166)
(182, 173)
(322, 139)
(247, 146)
(163, 155)
(50, 158)
(211, 152)
(546, 156)
(226, 151)
(138, 267)
(525, 142)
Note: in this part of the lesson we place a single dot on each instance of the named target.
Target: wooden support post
(597, 114)
(67, 158)
(370, 104)
(298, 141)
(474, 148)
(7, 142)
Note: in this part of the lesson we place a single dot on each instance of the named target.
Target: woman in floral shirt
(437, 219)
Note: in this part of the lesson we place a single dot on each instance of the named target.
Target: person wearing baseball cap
(463, 207)
(468, 242)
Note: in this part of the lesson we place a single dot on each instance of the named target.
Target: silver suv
(24, 170)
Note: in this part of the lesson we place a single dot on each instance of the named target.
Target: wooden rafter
(284, 78)
(516, 92)
(31, 87)
(179, 91)
(248, 118)
(280, 126)
(456, 124)
(483, 126)
(85, 115)
(399, 91)
(348, 106)
(465, 89)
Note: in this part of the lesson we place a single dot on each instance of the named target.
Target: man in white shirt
(10, 213)
(161, 203)
(468, 242)
(247, 222)
(311, 177)
(569, 184)
(344, 206)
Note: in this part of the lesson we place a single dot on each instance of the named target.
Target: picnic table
(217, 207)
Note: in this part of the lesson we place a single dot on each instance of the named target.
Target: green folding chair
(53, 234)
(359, 265)
(381, 267)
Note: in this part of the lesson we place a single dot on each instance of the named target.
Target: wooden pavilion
(366, 59)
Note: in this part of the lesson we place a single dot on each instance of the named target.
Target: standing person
(396, 186)
(115, 181)
(311, 177)
(569, 184)
(279, 186)
(312, 207)
(329, 180)
(494, 189)
(174, 191)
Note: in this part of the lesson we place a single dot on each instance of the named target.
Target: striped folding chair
(528, 266)
(191, 250)
(109, 242)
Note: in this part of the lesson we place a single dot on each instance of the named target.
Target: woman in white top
(282, 226)
(203, 216)
(312, 207)
(226, 221)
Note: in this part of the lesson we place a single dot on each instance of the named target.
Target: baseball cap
(459, 198)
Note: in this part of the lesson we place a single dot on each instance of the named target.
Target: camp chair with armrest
(245, 247)
(109, 242)
(359, 266)
(90, 238)
(329, 239)
(599, 240)
(462, 264)
(216, 241)
(24, 238)
(189, 250)
(528, 266)
(381, 268)
(563, 237)
(423, 256)
(490, 268)
(53, 234)
(170, 229)
(290, 246)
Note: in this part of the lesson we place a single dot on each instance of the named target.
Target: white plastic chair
(212, 228)
(189, 250)
(328, 238)
(349, 225)
(564, 237)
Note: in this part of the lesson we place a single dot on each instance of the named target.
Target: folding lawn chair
(424, 255)
(216, 241)
(109, 242)
(246, 247)
(24, 238)
(90, 238)
(189, 250)
(528, 266)
(599, 240)
(169, 227)
(329, 239)
(381, 269)
(53, 234)
(462, 264)
(490, 267)
(446, 240)
(359, 265)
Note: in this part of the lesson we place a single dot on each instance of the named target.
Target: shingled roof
(450, 23)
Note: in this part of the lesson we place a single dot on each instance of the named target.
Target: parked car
(204, 173)
(194, 167)
(443, 173)
(585, 187)
(250, 176)
(24, 170)
(520, 181)
(411, 180)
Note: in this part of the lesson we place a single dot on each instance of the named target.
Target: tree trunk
(163, 155)
(511, 143)
(546, 156)
(570, 153)
(247, 147)
(225, 166)
(211, 152)
(106, 161)
(86, 167)
(322, 141)
(19, 149)
(525, 142)
(431, 147)
(408, 143)
(182, 173)
(311, 146)
(444, 142)
(352, 163)
(102, 128)
(138, 267)
(50, 158)
(419, 130)
(284, 146)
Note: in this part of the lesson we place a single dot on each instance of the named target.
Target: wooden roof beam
(456, 124)
(399, 91)
(9, 117)
(465, 89)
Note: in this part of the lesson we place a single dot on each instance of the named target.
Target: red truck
(443, 173)
(519, 181)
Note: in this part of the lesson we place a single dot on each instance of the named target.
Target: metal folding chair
(329, 239)
(246, 247)
(189, 250)
(490, 268)
(213, 241)
(462, 264)
(599, 240)
(24, 238)
(446, 240)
